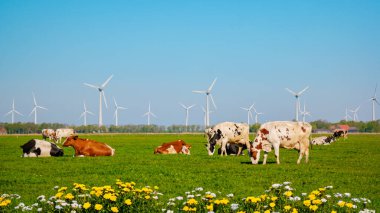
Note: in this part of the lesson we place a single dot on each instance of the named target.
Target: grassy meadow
(350, 166)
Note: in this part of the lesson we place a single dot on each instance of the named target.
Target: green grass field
(350, 166)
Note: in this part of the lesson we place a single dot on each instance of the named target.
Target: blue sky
(159, 51)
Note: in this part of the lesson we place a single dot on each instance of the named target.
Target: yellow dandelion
(307, 202)
(209, 196)
(59, 195)
(86, 205)
(317, 202)
(156, 188)
(69, 196)
(128, 202)
(312, 196)
(313, 207)
(147, 197)
(349, 205)
(288, 193)
(333, 211)
(341, 203)
(210, 207)
(114, 209)
(287, 208)
(294, 210)
(273, 204)
(185, 208)
(62, 189)
(5, 202)
(274, 198)
(98, 207)
(192, 201)
(267, 211)
(263, 197)
(192, 209)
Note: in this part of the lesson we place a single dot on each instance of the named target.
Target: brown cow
(86, 147)
(175, 147)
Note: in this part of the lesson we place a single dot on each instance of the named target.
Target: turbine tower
(304, 112)
(355, 111)
(116, 111)
(36, 106)
(13, 111)
(84, 114)
(249, 112)
(374, 100)
(101, 94)
(256, 115)
(347, 115)
(208, 94)
(149, 113)
(187, 111)
(297, 95)
(204, 115)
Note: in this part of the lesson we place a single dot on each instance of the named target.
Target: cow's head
(213, 136)
(186, 149)
(70, 141)
(257, 145)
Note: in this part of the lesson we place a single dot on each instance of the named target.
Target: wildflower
(287, 183)
(185, 208)
(287, 208)
(156, 187)
(234, 206)
(114, 209)
(312, 196)
(273, 204)
(244, 212)
(209, 196)
(86, 205)
(199, 189)
(307, 202)
(347, 194)
(192, 202)
(113, 198)
(313, 207)
(252, 199)
(58, 207)
(69, 196)
(147, 197)
(39, 209)
(267, 211)
(333, 211)
(179, 198)
(317, 202)
(295, 210)
(276, 185)
(210, 207)
(341, 203)
(349, 205)
(98, 207)
(58, 195)
(288, 193)
(274, 198)
(62, 189)
(230, 195)
(128, 202)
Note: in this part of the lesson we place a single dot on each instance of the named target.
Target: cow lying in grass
(87, 147)
(175, 147)
(323, 140)
(232, 149)
(40, 148)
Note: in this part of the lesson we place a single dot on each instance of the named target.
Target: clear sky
(159, 51)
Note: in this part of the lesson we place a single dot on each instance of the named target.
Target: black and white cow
(227, 132)
(323, 140)
(232, 149)
(40, 148)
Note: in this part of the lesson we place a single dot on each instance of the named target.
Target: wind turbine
(374, 100)
(249, 112)
(297, 95)
(347, 115)
(84, 113)
(208, 94)
(101, 93)
(187, 111)
(36, 106)
(116, 111)
(256, 115)
(204, 116)
(149, 113)
(355, 111)
(13, 111)
(304, 112)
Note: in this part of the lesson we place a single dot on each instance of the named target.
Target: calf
(285, 134)
(48, 133)
(232, 149)
(227, 132)
(86, 147)
(40, 148)
(175, 147)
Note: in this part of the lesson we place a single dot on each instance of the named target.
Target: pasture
(349, 166)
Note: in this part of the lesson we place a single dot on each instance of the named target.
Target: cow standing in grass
(227, 132)
(63, 133)
(284, 134)
(48, 133)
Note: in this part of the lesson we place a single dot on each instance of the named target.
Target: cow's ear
(75, 137)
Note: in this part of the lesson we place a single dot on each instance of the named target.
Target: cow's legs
(277, 153)
(265, 157)
(224, 151)
(239, 151)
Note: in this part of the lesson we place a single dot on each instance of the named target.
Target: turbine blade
(302, 91)
(90, 112)
(212, 100)
(244, 108)
(374, 94)
(33, 110)
(250, 115)
(90, 85)
(41, 107)
(153, 114)
(120, 107)
(291, 91)
(183, 106)
(198, 91)
(377, 102)
(191, 106)
(212, 85)
(34, 99)
(106, 82)
(18, 113)
(104, 99)
(115, 102)
(8, 113)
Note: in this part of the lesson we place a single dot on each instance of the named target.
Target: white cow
(285, 134)
(48, 133)
(227, 132)
(63, 133)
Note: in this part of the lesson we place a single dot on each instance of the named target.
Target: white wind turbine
(13, 111)
(297, 95)
(84, 114)
(116, 111)
(208, 94)
(187, 111)
(355, 111)
(204, 115)
(256, 115)
(249, 112)
(36, 106)
(101, 93)
(347, 115)
(374, 100)
(304, 112)
(149, 113)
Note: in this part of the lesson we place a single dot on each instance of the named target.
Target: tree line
(31, 128)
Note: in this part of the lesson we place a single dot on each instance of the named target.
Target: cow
(87, 147)
(322, 140)
(175, 147)
(40, 148)
(284, 134)
(232, 149)
(63, 133)
(340, 132)
(48, 133)
(227, 132)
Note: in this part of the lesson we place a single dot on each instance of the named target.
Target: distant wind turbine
(304, 112)
(374, 100)
(208, 94)
(36, 106)
(256, 115)
(187, 111)
(116, 111)
(249, 112)
(101, 94)
(204, 115)
(13, 111)
(149, 113)
(347, 116)
(355, 111)
(84, 114)
(297, 95)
